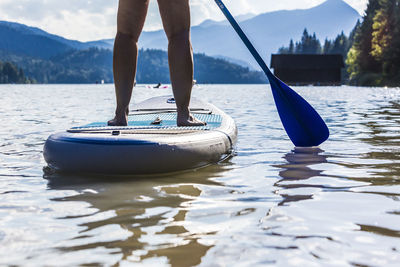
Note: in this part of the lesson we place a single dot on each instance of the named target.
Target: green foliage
(374, 58)
(10, 73)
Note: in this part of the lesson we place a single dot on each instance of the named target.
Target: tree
(374, 58)
(309, 44)
(327, 46)
(10, 73)
(291, 47)
(359, 59)
(287, 50)
(384, 38)
(340, 45)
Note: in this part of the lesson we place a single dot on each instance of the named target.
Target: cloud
(96, 19)
(205, 9)
(360, 6)
(75, 19)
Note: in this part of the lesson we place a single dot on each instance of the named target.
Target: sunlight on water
(271, 203)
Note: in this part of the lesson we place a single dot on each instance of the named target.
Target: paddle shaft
(271, 77)
(245, 40)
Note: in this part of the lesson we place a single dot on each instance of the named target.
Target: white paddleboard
(151, 143)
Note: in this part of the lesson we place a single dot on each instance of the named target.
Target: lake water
(269, 204)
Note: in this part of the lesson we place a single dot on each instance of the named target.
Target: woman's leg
(175, 15)
(130, 21)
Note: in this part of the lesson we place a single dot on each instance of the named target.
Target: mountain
(209, 22)
(268, 31)
(48, 58)
(39, 52)
(21, 39)
(31, 41)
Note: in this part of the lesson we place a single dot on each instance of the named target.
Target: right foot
(119, 121)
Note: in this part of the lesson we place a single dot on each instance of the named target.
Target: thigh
(131, 16)
(175, 16)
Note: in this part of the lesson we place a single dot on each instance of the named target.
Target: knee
(179, 36)
(126, 35)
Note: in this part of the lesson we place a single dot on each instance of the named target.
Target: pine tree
(309, 44)
(291, 47)
(384, 39)
(10, 73)
(340, 45)
(327, 46)
(287, 50)
(359, 59)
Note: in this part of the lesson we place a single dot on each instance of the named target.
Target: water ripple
(269, 204)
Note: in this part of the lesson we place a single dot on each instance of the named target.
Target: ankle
(183, 112)
(121, 112)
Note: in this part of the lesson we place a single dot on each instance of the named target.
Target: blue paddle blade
(303, 124)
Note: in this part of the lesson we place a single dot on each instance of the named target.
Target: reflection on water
(338, 204)
(151, 209)
(297, 169)
(384, 126)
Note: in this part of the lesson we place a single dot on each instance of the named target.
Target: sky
(88, 20)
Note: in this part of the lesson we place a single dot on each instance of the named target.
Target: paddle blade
(302, 123)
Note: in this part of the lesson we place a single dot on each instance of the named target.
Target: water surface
(269, 204)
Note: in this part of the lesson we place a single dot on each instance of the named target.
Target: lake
(270, 203)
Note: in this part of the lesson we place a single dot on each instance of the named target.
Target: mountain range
(48, 58)
(269, 31)
(31, 41)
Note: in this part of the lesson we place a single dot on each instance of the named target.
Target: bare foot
(119, 120)
(189, 121)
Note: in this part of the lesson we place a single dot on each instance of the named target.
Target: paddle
(302, 123)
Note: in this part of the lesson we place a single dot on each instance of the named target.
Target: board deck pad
(168, 121)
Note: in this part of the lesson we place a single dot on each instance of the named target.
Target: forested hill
(48, 58)
(94, 65)
(153, 67)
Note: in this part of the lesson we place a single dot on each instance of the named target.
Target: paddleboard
(151, 143)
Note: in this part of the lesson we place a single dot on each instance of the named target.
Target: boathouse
(315, 69)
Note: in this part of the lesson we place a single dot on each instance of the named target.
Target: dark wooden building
(313, 69)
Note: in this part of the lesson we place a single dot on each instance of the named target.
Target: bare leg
(130, 21)
(175, 15)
